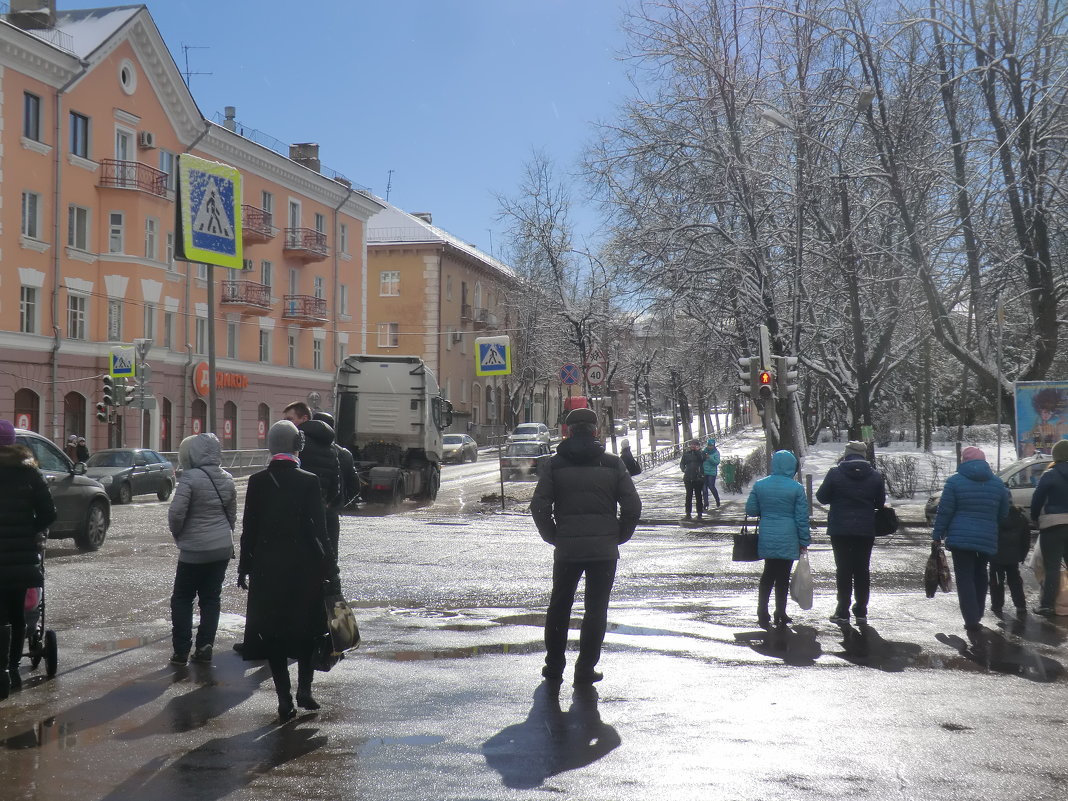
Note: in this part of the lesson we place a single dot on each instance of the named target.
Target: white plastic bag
(1035, 563)
(801, 583)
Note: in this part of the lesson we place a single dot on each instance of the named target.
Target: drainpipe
(337, 273)
(57, 186)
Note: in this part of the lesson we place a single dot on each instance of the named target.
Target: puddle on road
(459, 653)
(371, 746)
(124, 644)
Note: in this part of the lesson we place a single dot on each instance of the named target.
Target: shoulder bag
(885, 521)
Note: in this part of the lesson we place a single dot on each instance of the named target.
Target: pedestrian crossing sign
(209, 212)
(493, 356)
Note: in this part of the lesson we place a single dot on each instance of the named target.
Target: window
(231, 340)
(319, 287)
(294, 281)
(388, 335)
(320, 223)
(78, 227)
(267, 202)
(201, 344)
(478, 296)
(389, 283)
(343, 299)
(31, 116)
(150, 321)
(151, 238)
(265, 345)
(167, 164)
(343, 238)
(448, 338)
(114, 320)
(463, 345)
(294, 214)
(28, 310)
(342, 351)
(115, 232)
(448, 287)
(202, 272)
(317, 354)
(292, 358)
(168, 330)
(169, 255)
(266, 274)
(31, 215)
(76, 316)
(79, 134)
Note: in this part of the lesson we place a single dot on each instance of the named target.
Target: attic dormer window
(127, 76)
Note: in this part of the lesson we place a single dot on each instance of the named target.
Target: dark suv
(82, 507)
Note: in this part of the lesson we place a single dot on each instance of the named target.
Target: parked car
(524, 432)
(83, 510)
(1020, 477)
(126, 472)
(459, 448)
(620, 428)
(521, 460)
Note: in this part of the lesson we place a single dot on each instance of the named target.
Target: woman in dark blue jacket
(854, 490)
(974, 501)
(1049, 508)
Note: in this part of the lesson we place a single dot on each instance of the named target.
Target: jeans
(193, 579)
(695, 494)
(776, 574)
(852, 573)
(13, 612)
(599, 578)
(710, 486)
(1000, 575)
(970, 570)
(1054, 544)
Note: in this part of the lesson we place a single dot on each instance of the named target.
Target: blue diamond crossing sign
(209, 212)
(493, 356)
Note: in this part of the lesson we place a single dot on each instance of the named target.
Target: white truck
(390, 414)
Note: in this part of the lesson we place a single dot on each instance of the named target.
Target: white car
(526, 432)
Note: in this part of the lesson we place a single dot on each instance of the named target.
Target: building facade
(95, 116)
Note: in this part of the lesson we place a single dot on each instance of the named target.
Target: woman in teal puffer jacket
(782, 506)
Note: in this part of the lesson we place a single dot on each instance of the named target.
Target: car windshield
(453, 439)
(110, 459)
(523, 449)
(527, 429)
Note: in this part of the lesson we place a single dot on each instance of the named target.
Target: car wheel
(164, 492)
(95, 529)
(474, 456)
(125, 493)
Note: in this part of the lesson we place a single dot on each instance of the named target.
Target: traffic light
(101, 412)
(745, 374)
(120, 392)
(786, 367)
(109, 391)
(766, 385)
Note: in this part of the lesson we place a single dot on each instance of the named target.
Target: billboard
(1041, 415)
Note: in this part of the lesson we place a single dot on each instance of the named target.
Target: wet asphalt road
(443, 700)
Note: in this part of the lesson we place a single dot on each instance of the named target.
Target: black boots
(304, 697)
(5, 649)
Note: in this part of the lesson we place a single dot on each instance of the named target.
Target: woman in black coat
(286, 557)
(854, 490)
(26, 510)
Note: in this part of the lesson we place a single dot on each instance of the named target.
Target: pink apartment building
(94, 116)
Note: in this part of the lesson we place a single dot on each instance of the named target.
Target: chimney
(306, 154)
(425, 216)
(229, 121)
(32, 14)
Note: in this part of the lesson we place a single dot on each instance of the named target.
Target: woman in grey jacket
(201, 519)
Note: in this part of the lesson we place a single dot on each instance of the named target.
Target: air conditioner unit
(146, 139)
(246, 264)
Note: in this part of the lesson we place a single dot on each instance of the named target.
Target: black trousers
(279, 665)
(695, 493)
(776, 574)
(1000, 575)
(852, 573)
(1054, 544)
(333, 528)
(194, 580)
(600, 575)
(13, 613)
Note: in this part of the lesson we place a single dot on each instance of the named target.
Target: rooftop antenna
(185, 53)
(389, 183)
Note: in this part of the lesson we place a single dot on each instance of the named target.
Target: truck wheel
(393, 502)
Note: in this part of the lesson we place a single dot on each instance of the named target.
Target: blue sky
(452, 95)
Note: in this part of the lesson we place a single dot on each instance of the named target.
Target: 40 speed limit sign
(595, 374)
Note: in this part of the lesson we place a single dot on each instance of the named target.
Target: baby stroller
(40, 642)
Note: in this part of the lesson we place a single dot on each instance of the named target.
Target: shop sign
(223, 380)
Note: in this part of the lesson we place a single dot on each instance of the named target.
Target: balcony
(248, 296)
(465, 311)
(256, 224)
(305, 310)
(306, 244)
(484, 318)
(133, 175)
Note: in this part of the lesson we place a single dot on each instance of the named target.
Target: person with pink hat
(974, 502)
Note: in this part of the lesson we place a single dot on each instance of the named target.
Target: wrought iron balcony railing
(247, 293)
(133, 175)
(256, 223)
(304, 309)
(306, 243)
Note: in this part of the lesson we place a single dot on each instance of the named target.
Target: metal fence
(238, 463)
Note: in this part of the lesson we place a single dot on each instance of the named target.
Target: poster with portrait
(1041, 415)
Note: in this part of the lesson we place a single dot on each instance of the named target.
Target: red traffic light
(765, 378)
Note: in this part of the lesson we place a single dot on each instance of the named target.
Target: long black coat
(286, 553)
(26, 509)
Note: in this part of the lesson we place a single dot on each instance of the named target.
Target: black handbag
(745, 545)
(885, 521)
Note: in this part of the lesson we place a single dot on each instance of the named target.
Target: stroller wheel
(33, 649)
(51, 653)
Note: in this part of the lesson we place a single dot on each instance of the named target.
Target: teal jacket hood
(783, 463)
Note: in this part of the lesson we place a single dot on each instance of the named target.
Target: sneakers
(837, 617)
(588, 677)
(180, 658)
(201, 654)
(1045, 611)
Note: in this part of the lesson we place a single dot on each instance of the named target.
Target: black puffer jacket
(854, 489)
(574, 504)
(26, 509)
(320, 458)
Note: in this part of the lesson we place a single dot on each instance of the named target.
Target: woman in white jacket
(201, 519)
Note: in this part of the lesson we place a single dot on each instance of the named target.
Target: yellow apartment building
(94, 116)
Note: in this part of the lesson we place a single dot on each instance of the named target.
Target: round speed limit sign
(595, 374)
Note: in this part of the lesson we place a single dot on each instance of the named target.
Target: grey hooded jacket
(204, 506)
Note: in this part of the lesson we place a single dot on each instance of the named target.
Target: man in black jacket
(575, 510)
(319, 457)
(350, 481)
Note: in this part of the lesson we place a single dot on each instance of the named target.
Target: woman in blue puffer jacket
(782, 506)
(974, 501)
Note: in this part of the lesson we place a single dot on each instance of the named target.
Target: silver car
(526, 432)
(1020, 477)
